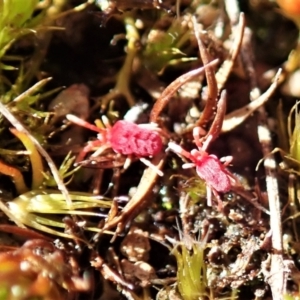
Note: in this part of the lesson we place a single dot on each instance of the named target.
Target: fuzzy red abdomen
(129, 139)
(212, 171)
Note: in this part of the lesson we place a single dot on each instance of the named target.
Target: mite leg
(197, 131)
(179, 150)
(220, 203)
(226, 160)
(86, 149)
(74, 119)
(209, 195)
(150, 165)
(101, 148)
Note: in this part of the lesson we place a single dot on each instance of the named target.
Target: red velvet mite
(131, 139)
(126, 138)
(208, 166)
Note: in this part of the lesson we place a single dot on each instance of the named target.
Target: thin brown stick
(212, 88)
(226, 68)
(136, 203)
(217, 124)
(238, 116)
(171, 89)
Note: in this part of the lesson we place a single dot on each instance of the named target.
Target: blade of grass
(20, 127)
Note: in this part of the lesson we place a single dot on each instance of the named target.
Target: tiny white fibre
(207, 142)
(270, 163)
(104, 4)
(134, 113)
(148, 163)
(188, 165)
(174, 147)
(25, 266)
(197, 131)
(71, 118)
(151, 125)
(263, 134)
(74, 119)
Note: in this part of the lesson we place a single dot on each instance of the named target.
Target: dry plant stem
(238, 116)
(16, 176)
(108, 273)
(293, 203)
(225, 70)
(20, 127)
(212, 88)
(233, 11)
(217, 123)
(132, 209)
(171, 89)
(278, 276)
(23, 232)
(247, 58)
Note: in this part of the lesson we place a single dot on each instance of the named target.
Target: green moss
(14, 21)
(191, 271)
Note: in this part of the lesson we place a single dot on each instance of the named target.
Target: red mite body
(130, 139)
(210, 169)
(124, 137)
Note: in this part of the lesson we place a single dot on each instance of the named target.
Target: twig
(277, 276)
(238, 116)
(233, 11)
(226, 68)
(212, 88)
(132, 209)
(217, 123)
(171, 89)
